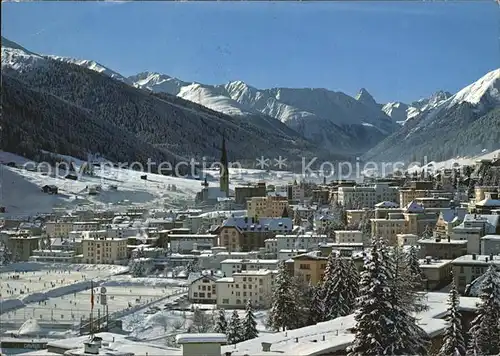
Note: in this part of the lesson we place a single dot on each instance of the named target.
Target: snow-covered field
(22, 195)
(155, 327)
(456, 162)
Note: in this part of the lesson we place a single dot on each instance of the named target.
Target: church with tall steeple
(224, 169)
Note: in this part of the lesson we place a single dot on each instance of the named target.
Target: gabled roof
(387, 204)
(452, 215)
(414, 207)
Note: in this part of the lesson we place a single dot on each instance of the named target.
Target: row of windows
(238, 301)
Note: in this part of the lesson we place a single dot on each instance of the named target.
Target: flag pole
(91, 306)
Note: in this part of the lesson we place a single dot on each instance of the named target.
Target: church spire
(224, 168)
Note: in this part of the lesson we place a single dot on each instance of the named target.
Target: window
(225, 301)
(304, 266)
(202, 295)
(195, 294)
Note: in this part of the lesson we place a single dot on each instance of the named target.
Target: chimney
(91, 348)
(428, 260)
(449, 238)
(473, 256)
(266, 346)
(486, 259)
(323, 337)
(296, 339)
(491, 257)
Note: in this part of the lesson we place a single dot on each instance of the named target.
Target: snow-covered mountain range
(446, 125)
(332, 120)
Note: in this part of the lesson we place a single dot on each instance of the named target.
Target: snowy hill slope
(171, 124)
(21, 189)
(463, 124)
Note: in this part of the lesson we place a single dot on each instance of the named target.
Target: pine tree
(249, 324)
(453, 341)
(220, 322)
(404, 284)
(414, 264)
(383, 327)
(234, 329)
(484, 333)
(339, 287)
(317, 309)
(374, 317)
(284, 307)
(5, 254)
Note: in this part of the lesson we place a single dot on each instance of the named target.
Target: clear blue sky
(396, 50)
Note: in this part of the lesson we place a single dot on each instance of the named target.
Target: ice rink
(75, 306)
(18, 284)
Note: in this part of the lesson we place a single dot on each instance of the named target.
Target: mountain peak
(365, 97)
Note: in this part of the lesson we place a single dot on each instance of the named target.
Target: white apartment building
(304, 241)
(231, 266)
(55, 256)
(367, 196)
(182, 243)
(284, 255)
(271, 246)
(407, 239)
(236, 291)
(86, 226)
(473, 228)
(97, 249)
(490, 244)
(58, 228)
(203, 290)
(212, 261)
(346, 236)
(469, 267)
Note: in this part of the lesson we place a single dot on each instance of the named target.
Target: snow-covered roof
(433, 263)
(248, 261)
(489, 202)
(452, 215)
(335, 335)
(387, 204)
(116, 342)
(491, 237)
(477, 260)
(261, 224)
(414, 207)
(442, 241)
(208, 338)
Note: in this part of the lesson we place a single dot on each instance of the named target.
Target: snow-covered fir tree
(201, 323)
(283, 311)
(414, 266)
(5, 254)
(339, 286)
(404, 284)
(453, 341)
(234, 329)
(138, 267)
(249, 324)
(484, 333)
(382, 326)
(220, 321)
(317, 309)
